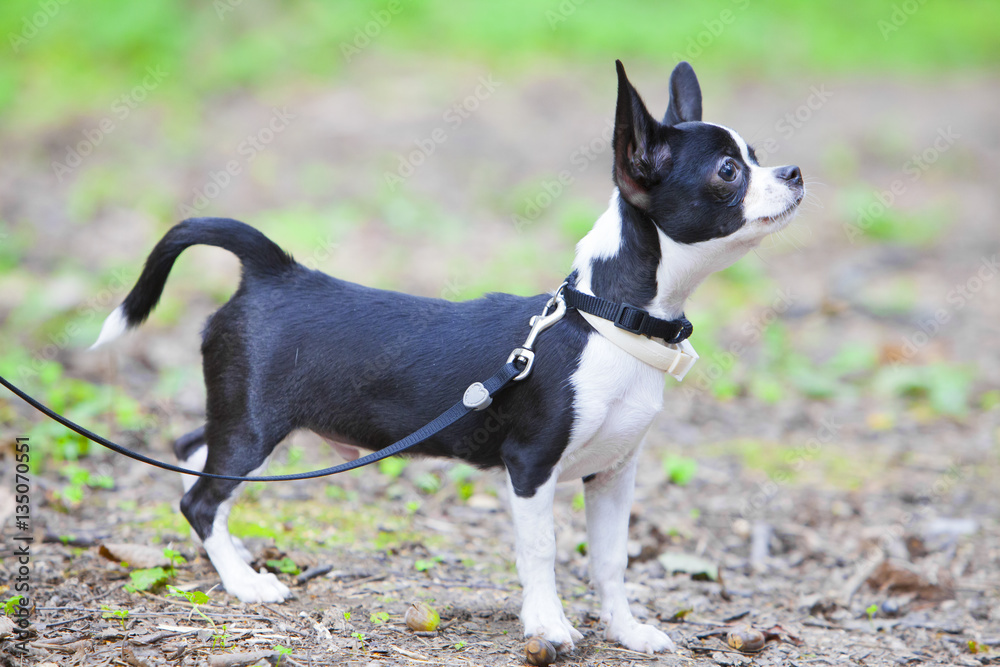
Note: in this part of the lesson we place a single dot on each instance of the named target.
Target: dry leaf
(895, 580)
(6, 627)
(136, 555)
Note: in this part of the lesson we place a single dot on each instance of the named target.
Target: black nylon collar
(628, 317)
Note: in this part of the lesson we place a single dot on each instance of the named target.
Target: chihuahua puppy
(289, 350)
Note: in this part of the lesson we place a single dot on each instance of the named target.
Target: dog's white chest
(617, 397)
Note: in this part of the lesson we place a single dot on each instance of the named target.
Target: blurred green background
(66, 59)
(316, 122)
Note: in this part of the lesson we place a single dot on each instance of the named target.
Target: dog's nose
(790, 173)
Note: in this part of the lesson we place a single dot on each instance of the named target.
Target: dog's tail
(259, 255)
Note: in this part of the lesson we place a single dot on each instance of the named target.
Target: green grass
(82, 57)
(304, 524)
(817, 460)
(775, 360)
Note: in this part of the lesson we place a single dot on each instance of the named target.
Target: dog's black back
(401, 360)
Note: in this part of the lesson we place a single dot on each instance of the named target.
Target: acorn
(539, 651)
(746, 639)
(422, 617)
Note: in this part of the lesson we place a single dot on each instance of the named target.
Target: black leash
(477, 397)
(498, 381)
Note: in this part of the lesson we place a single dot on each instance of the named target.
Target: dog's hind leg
(534, 530)
(191, 450)
(208, 502)
(608, 502)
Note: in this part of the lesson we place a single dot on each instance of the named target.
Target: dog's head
(696, 181)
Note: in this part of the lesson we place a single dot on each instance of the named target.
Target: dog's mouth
(784, 215)
(781, 217)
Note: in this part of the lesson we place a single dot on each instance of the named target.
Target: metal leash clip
(476, 396)
(539, 323)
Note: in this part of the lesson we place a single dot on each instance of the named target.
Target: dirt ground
(867, 540)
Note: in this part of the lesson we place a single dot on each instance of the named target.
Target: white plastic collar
(676, 360)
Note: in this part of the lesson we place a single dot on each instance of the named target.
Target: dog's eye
(729, 170)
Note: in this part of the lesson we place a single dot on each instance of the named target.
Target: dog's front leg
(608, 499)
(534, 531)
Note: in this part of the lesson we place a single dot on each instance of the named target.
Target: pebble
(730, 659)
(483, 501)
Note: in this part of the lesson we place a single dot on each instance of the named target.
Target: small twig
(639, 655)
(189, 629)
(74, 540)
(760, 545)
(153, 638)
(68, 649)
(366, 580)
(719, 631)
(312, 573)
(240, 659)
(408, 654)
(181, 602)
(56, 624)
(152, 614)
(105, 594)
(278, 612)
(720, 649)
(854, 583)
(737, 616)
(710, 624)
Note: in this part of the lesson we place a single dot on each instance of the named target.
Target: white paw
(640, 637)
(250, 586)
(546, 619)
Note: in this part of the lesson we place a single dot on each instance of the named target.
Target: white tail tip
(114, 326)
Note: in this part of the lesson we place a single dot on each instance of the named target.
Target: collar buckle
(623, 318)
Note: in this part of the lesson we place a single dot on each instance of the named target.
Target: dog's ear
(638, 156)
(685, 96)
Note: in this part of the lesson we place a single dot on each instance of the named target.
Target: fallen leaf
(697, 567)
(136, 555)
(896, 580)
(6, 627)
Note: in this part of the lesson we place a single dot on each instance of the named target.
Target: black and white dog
(289, 351)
